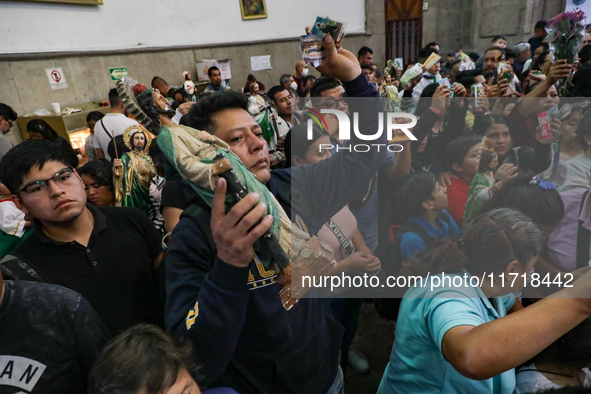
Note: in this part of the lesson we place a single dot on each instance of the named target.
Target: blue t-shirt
(411, 242)
(416, 363)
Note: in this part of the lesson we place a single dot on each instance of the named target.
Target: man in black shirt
(49, 338)
(107, 254)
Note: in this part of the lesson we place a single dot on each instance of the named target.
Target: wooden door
(404, 34)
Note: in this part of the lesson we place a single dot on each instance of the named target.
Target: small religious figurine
(483, 185)
(133, 173)
(189, 87)
(389, 89)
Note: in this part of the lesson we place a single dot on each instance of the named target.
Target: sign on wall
(116, 73)
(258, 63)
(56, 78)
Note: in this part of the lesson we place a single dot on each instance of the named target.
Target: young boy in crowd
(144, 359)
(425, 200)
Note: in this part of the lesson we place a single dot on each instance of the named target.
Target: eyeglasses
(62, 178)
(10, 121)
(331, 103)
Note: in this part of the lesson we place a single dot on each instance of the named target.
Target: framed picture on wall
(85, 2)
(253, 9)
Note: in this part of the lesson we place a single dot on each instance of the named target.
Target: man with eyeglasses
(7, 119)
(107, 254)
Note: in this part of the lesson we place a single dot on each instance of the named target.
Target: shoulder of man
(50, 295)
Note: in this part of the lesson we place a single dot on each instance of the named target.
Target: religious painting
(253, 9)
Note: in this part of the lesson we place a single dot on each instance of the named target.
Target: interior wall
(127, 24)
(24, 85)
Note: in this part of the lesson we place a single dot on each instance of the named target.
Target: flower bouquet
(566, 33)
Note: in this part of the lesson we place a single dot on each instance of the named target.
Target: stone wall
(471, 24)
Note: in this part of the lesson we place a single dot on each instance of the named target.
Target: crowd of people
(160, 264)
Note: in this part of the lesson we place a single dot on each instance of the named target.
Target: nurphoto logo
(344, 129)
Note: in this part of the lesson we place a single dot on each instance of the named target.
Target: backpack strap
(583, 239)
(13, 267)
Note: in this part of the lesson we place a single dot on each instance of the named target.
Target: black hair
(143, 357)
(537, 65)
(364, 51)
(157, 81)
(490, 242)
(571, 349)
(414, 190)
(200, 115)
(452, 54)
(297, 143)
(468, 78)
(182, 92)
(100, 170)
(95, 116)
(583, 130)
(585, 54)
(483, 123)
(274, 90)
(457, 149)
(114, 98)
(42, 127)
(501, 49)
(474, 56)
(431, 44)
(498, 37)
(581, 82)
(540, 25)
(18, 161)
(7, 112)
(510, 54)
(425, 53)
(543, 206)
(424, 101)
(452, 64)
(309, 78)
(211, 70)
(322, 84)
(545, 45)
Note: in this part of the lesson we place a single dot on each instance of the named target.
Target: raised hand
(235, 232)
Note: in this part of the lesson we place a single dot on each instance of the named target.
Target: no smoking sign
(56, 78)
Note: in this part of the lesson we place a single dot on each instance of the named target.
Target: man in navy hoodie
(221, 297)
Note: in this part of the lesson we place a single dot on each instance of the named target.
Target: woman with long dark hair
(460, 330)
(40, 130)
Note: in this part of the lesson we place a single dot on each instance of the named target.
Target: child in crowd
(483, 184)
(462, 156)
(452, 335)
(144, 359)
(425, 201)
